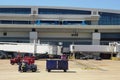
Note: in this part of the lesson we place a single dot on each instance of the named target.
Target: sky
(102, 4)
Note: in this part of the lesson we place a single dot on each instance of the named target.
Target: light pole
(60, 47)
(35, 48)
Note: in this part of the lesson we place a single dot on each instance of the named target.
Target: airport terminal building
(53, 25)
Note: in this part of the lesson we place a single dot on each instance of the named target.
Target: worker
(63, 57)
(19, 66)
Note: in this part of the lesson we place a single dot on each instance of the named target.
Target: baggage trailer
(57, 65)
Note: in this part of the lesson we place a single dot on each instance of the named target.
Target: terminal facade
(55, 25)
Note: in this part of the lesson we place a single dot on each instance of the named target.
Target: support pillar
(96, 41)
(96, 38)
(33, 37)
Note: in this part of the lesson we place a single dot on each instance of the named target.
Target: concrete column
(96, 41)
(34, 10)
(96, 38)
(94, 12)
(95, 17)
(94, 22)
(33, 36)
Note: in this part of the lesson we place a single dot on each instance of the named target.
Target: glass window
(109, 18)
(21, 22)
(13, 22)
(62, 11)
(49, 22)
(5, 22)
(110, 36)
(77, 22)
(63, 22)
(15, 10)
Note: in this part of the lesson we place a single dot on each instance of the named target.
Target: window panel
(61, 11)
(13, 22)
(15, 10)
(109, 18)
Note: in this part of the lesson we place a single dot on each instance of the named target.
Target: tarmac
(78, 70)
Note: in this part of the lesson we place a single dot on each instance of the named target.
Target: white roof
(58, 7)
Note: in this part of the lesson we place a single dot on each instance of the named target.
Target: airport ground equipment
(57, 65)
(27, 64)
(15, 60)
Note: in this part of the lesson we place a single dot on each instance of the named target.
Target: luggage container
(57, 65)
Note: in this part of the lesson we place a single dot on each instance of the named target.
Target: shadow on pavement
(63, 72)
(31, 72)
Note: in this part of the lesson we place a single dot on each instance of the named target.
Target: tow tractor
(27, 64)
(15, 60)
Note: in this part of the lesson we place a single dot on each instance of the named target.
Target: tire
(49, 70)
(3, 55)
(34, 69)
(24, 69)
(12, 63)
(65, 70)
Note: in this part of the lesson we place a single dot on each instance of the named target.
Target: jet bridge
(111, 48)
(28, 48)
